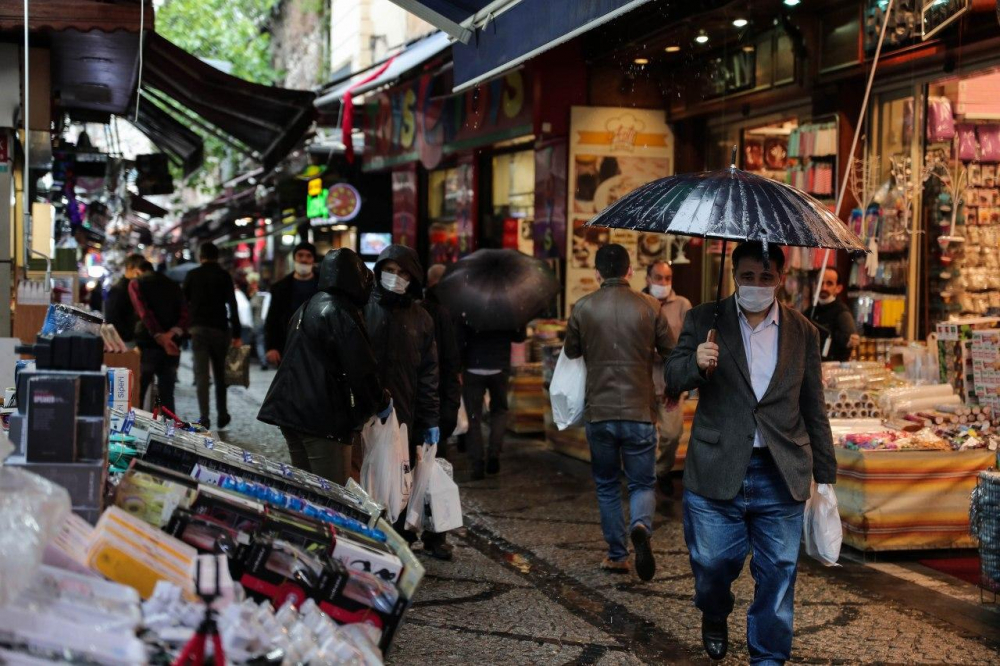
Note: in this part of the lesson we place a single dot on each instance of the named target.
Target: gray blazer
(791, 416)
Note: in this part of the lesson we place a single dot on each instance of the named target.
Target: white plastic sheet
(822, 530)
(385, 472)
(567, 391)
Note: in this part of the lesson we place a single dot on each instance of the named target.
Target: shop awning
(172, 137)
(527, 29)
(267, 120)
(409, 59)
(457, 18)
(145, 206)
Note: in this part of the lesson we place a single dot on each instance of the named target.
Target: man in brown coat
(619, 332)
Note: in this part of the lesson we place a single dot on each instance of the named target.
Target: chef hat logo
(624, 130)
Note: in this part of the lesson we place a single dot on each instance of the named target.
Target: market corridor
(524, 587)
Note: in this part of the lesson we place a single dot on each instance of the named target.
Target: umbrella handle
(711, 369)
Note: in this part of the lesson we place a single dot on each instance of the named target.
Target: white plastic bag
(462, 424)
(568, 390)
(385, 472)
(434, 504)
(422, 473)
(821, 527)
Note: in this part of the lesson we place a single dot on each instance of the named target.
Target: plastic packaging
(462, 423)
(32, 511)
(568, 391)
(66, 318)
(385, 473)
(822, 530)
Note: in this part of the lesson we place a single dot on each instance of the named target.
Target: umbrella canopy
(498, 290)
(178, 273)
(730, 204)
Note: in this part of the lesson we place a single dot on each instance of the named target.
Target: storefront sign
(612, 151)
(550, 201)
(939, 14)
(343, 201)
(412, 122)
(316, 200)
(404, 205)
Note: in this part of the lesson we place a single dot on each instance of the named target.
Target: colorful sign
(414, 122)
(612, 151)
(343, 201)
(316, 200)
(404, 205)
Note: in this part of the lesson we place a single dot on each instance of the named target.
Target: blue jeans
(763, 519)
(615, 445)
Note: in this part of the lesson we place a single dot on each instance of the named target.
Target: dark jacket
(791, 416)
(279, 313)
(403, 338)
(159, 305)
(618, 332)
(487, 350)
(119, 312)
(835, 321)
(211, 296)
(328, 361)
(449, 361)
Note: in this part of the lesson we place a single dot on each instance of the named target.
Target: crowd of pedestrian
(350, 343)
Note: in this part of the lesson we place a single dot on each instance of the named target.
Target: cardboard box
(93, 397)
(52, 408)
(84, 480)
(120, 385)
(357, 556)
(18, 433)
(91, 438)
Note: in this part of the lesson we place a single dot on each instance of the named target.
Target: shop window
(449, 213)
(840, 38)
(513, 205)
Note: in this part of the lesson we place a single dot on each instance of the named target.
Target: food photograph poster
(612, 152)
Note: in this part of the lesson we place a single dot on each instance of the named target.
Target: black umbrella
(498, 290)
(729, 204)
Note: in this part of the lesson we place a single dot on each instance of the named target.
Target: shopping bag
(385, 471)
(238, 366)
(821, 527)
(567, 391)
(443, 510)
(462, 425)
(422, 473)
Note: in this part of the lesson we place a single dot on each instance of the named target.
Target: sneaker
(645, 563)
(493, 466)
(615, 567)
(224, 420)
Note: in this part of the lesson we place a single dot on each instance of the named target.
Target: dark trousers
(210, 346)
(474, 387)
(156, 362)
(321, 456)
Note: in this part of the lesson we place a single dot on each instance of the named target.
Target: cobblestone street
(524, 586)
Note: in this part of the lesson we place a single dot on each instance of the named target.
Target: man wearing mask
(215, 325)
(163, 320)
(403, 339)
(287, 296)
(619, 334)
(670, 415)
(320, 417)
(760, 437)
(118, 308)
(834, 320)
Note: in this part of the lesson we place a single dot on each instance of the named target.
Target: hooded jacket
(328, 382)
(403, 338)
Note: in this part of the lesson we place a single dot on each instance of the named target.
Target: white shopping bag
(567, 391)
(443, 501)
(462, 425)
(421, 480)
(385, 472)
(821, 528)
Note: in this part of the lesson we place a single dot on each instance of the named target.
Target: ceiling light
(749, 48)
(641, 61)
(672, 49)
(702, 38)
(740, 22)
(793, 3)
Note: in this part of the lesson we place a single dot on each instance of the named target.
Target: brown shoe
(619, 567)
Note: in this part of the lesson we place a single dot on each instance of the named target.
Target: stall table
(907, 500)
(526, 400)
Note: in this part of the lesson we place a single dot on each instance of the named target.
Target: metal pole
(25, 178)
(854, 147)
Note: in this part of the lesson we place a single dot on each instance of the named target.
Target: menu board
(612, 152)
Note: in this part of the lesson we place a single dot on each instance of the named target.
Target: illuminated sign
(316, 200)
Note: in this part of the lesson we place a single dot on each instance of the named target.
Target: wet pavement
(525, 588)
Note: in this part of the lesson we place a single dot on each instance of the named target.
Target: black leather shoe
(224, 420)
(493, 466)
(715, 637)
(645, 563)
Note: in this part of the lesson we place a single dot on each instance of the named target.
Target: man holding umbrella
(760, 437)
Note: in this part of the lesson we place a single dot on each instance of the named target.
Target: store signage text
(316, 200)
(411, 122)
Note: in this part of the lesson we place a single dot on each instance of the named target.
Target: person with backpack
(327, 386)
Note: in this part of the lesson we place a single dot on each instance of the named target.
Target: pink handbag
(940, 122)
(967, 146)
(989, 142)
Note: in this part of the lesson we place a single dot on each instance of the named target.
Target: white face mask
(303, 270)
(826, 301)
(660, 292)
(394, 283)
(755, 299)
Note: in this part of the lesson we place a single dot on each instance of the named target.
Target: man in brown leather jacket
(618, 332)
